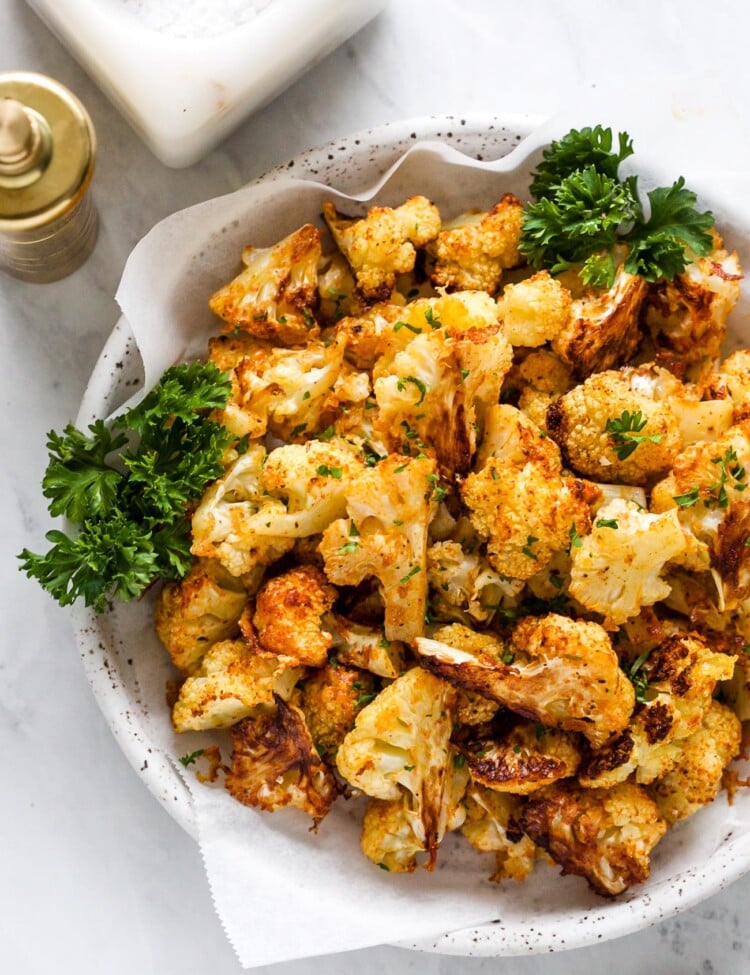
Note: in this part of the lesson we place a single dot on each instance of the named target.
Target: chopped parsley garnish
(575, 539)
(190, 759)
(432, 319)
(637, 677)
(412, 328)
(625, 433)
(607, 523)
(405, 380)
(530, 540)
(325, 471)
(410, 574)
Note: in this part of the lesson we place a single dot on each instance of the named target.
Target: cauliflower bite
(463, 586)
(288, 615)
(197, 611)
(388, 836)
(274, 296)
(331, 698)
(275, 764)
(543, 380)
(604, 835)
(695, 779)
(521, 759)
(366, 647)
(617, 568)
(677, 682)
(602, 330)
(688, 315)
(400, 743)
(535, 310)
(514, 439)
(389, 507)
(337, 296)
(234, 677)
(488, 829)
(560, 672)
(383, 244)
(471, 251)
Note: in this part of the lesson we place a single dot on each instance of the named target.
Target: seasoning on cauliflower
(602, 330)
(604, 835)
(463, 586)
(274, 296)
(197, 611)
(275, 764)
(337, 296)
(383, 244)
(253, 514)
(695, 779)
(734, 374)
(366, 647)
(388, 836)
(400, 742)
(472, 250)
(331, 698)
(534, 310)
(234, 677)
(488, 828)
(617, 568)
(557, 671)
(543, 379)
(289, 609)
(389, 508)
(514, 439)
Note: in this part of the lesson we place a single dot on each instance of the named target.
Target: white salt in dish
(185, 75)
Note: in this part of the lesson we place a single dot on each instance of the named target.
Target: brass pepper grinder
(48, 223)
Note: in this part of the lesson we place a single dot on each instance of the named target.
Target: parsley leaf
(577, 150)
(626, 435)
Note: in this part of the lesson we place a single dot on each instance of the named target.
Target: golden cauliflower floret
(522, 758)
(233, 679)
(400, 743)
(197, 611)
(734, 373)
(688, 314)
(560, 672)
(275, 764)
(615, 428)
(472, 250)
(513, 439)
(534, 310)
(694, 781)
(289, 609)
(337, 296)
(274, 296)
(463, 586)
(602, 330)
(488, 828)
(617, 568)
(383, 244)
(389, 509)
(366, 647)
(525, 514)
(331, 698)
(604, 835)
(543, 379)
(388, 836)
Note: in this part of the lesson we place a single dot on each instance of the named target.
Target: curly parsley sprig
(129, 490)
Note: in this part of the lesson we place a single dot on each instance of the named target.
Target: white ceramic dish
(527, 923)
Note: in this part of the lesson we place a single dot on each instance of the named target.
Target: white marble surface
(94, 876)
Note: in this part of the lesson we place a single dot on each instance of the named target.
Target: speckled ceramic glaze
(525, 922)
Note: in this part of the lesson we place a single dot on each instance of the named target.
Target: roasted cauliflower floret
(472, 250)
(366, 647)
(197, 611)
(734, 374)
(617, 568)
(604, 835)
(488, 829)
(463, 586)
(602, 330)
(389, 508)
(513, 439)
(275, 764)
(383, 244)
(289, 609)
(337, 294)
(543, 380)
(274, 296)
(615, 427)
(525, 514)
(694, 781)
(233, 679)
(388, 836)
(534, 310)
(331, 698)
(560, 672)
(400, 743)
(688, 314)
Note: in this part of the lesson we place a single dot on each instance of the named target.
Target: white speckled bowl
(526, 923)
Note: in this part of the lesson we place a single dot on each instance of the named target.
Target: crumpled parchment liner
(280, 891)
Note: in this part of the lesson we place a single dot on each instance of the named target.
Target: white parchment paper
(282, 892)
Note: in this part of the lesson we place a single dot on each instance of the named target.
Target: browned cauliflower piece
(734, 374)
(463, 586)
(337, 295)
(389, 508)
(488, 829)
(366, 647)
(544, 379)
(513, 439)
(332, 696)
(557, 671)
(688, 315)
(197, 611)
(275, 764)
(383, 244)
(677, 682)
(234, 677)
(289, 609)
(388, 836)
(535, 310)
(472, 250)
(274, 296)
(602, 331)
(694, 781)
(604, 835)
